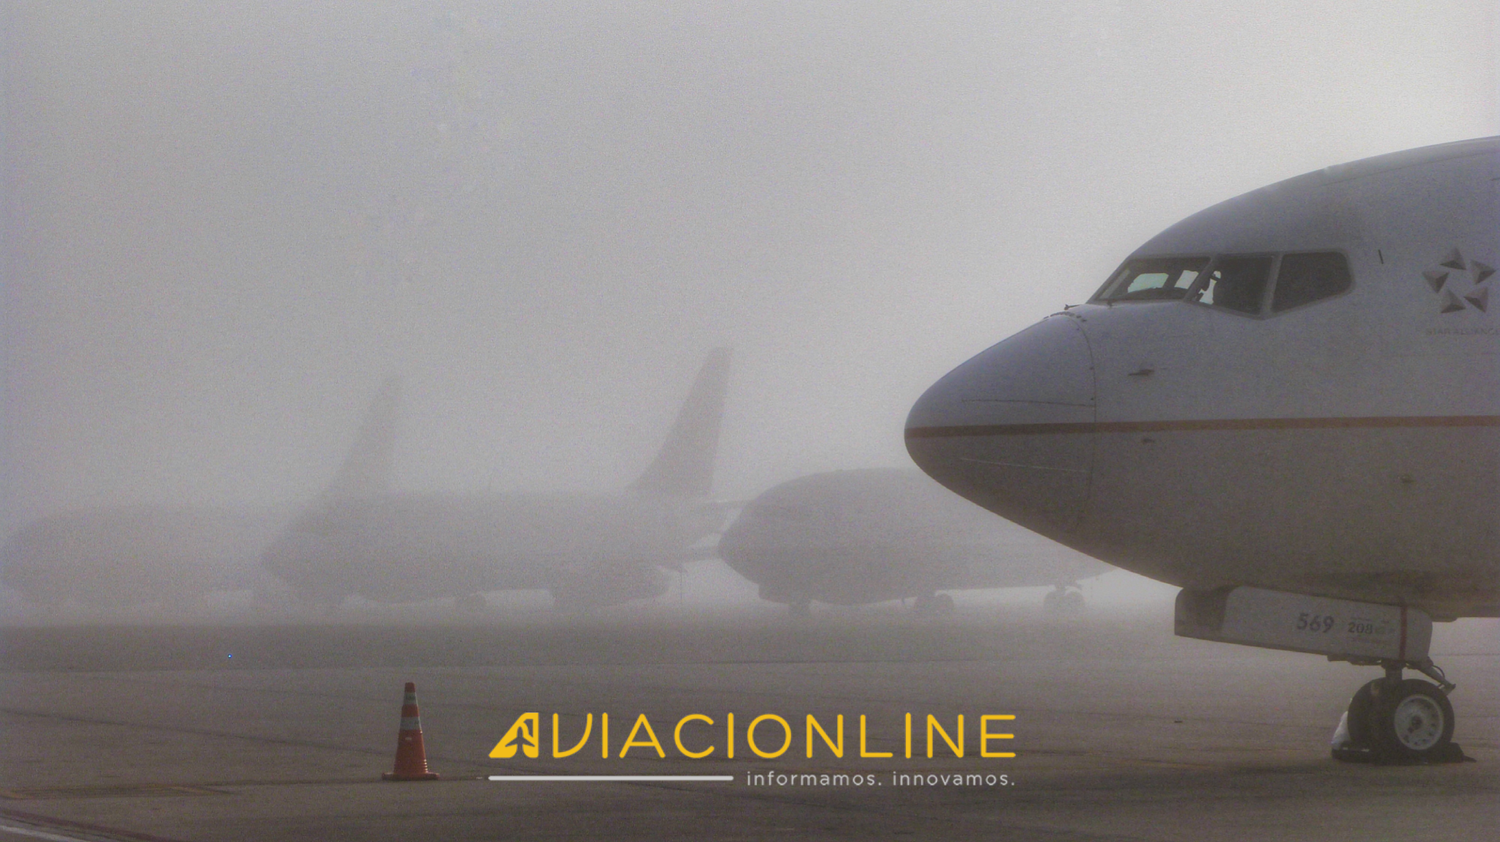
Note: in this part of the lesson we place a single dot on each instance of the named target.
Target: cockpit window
(1305, 278)
(1153, 279)
(1235, 283)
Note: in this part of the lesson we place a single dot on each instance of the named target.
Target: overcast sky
(226, 222)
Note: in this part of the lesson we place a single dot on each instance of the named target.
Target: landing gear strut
(1399, 720)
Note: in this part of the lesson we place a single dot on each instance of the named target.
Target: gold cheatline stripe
(1076, 428)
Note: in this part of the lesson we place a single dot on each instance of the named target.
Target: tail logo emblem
(1444, 281)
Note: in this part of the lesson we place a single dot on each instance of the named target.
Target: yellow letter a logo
(526, 729)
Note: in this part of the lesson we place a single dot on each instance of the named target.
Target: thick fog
(227, 223)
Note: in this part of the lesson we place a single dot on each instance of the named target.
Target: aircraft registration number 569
(1342, 628)
(1314, 623)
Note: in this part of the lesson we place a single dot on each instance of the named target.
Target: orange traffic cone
(411, 756)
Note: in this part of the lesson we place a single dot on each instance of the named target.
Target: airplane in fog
(872, 535)
(1288, 405)
(134, 555)
(587, 550)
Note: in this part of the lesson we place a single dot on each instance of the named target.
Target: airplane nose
(10, 558)
(743, 544)
(733, 542)
(1012, 428)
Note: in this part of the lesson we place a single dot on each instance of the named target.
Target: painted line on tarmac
(63, 830)
(34, 833)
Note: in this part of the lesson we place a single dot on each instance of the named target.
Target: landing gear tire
(1359, 714)
(1351, 741)
(1410, 721)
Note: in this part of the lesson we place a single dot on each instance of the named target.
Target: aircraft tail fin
(685, 464)
(367, 469)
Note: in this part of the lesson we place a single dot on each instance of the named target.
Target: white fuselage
(357, 538)
(130, 555)
(410, 547)
(863, 536)
(1347, 446)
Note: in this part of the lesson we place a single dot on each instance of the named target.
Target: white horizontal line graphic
(611, 778)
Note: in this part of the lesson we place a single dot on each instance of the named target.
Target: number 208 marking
(1314, 623)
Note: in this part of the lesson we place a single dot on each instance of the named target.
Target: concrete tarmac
(1122, 731)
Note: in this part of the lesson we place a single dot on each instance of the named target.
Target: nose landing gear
(1395, 720)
